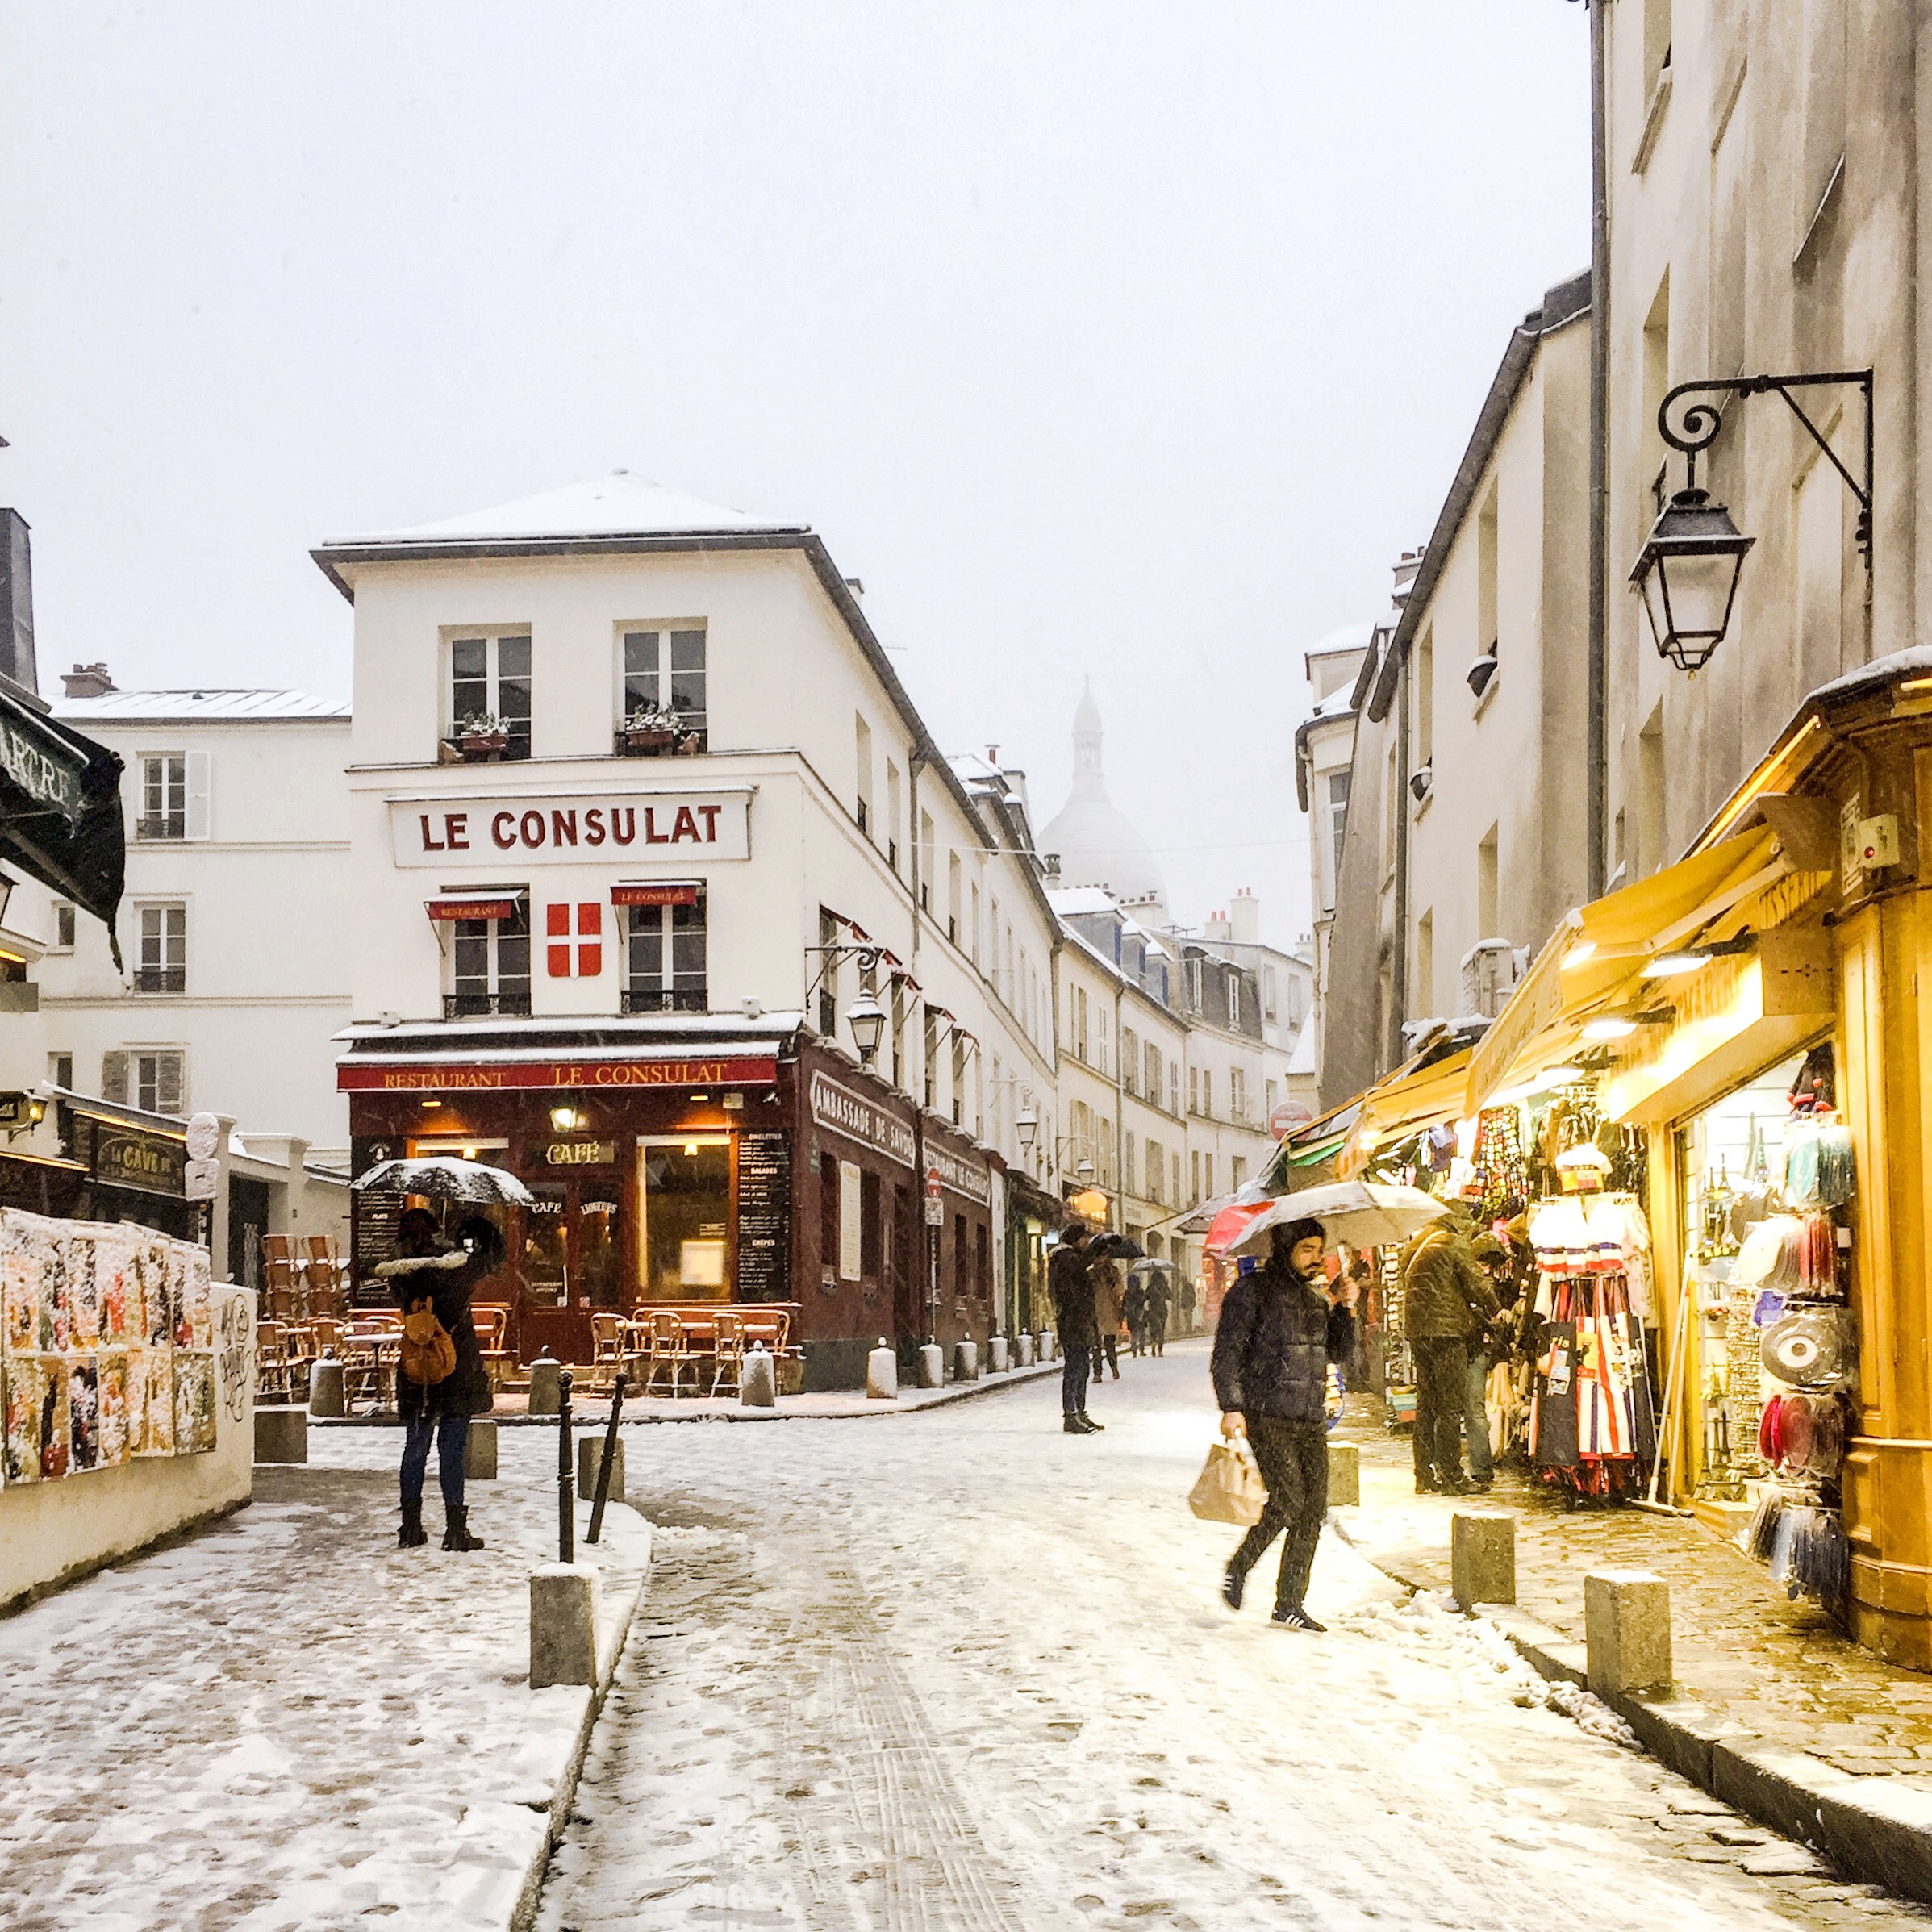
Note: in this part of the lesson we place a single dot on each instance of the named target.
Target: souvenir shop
(1763, 1346)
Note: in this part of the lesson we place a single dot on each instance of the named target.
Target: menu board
(765, 1217)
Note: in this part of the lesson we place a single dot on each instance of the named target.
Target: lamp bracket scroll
(1691, 416)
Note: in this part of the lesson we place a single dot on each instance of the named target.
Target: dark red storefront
(690, 1168)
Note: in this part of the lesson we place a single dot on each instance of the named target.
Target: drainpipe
(1398, 978)
(1597, 754)
(1119, 1104)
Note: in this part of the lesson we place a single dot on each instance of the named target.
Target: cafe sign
(581, 1154)
(583, 829)
(149, 1163)
(508, 1076)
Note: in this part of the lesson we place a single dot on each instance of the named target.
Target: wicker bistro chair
(727, 1351)
(491, 1321)
(281, 1285)
(323, 1269)
(606, 1349)
(272, 1379)
(666, 1349)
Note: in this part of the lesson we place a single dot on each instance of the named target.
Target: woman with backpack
(441, 1380)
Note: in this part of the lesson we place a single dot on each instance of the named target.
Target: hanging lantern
(1687, 572)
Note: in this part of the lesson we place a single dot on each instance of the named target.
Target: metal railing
(160, 979)
(484, 1006)
(162, 825)
(654, 999)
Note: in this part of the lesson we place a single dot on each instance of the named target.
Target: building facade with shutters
(234, 924)
(640, 817)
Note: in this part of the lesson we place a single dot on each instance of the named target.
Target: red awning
(472, 905)
(669, 892)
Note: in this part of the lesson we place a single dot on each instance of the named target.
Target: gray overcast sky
(1108, 339)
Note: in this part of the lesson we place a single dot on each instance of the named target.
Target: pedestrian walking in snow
(1281, 1326)
(1109, 1302)
(1133, 1306)
(1160, 1304)
(1070, 1286)
(1447, 1303)
(441, 1380)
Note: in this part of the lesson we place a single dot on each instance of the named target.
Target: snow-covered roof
(617, 505)
(196, 704)
(1301, 1057)
(1069, 901)
(1348, 637)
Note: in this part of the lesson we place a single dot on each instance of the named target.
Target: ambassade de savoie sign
(629, 826)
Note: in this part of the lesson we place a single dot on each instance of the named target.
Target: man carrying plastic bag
(1280, 1328)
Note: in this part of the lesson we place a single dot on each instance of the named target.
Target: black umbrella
(442, 1177)
(1116, 1247)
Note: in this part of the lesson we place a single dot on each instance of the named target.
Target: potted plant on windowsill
(650, 730)
(481, 738)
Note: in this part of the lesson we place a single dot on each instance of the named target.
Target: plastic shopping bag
(1230, 1489)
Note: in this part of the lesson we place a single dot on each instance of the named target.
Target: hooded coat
(1277, 1334)
(1071, 1288)
(465, 1390)
(1445, 1292)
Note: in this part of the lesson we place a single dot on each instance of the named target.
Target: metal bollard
(603, 1468)
(566, 1520)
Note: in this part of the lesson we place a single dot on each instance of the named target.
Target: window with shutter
(200, 805)
(114, 1077)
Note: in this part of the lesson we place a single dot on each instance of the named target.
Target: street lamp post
(1688, 569)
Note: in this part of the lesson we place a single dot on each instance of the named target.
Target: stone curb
(588, 1417)
(1876, 1830)
(610, 1653)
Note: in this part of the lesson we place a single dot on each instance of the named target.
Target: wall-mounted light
(1612, 1026)
(1026, 1124)
(566, 1119)
(867, 1019)
(1667, 965)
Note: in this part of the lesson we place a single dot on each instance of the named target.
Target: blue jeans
(452, 1436)
(1482, 1464)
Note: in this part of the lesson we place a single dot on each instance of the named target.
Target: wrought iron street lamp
(1026, 1124)
(867, 1019)
(1688, 569)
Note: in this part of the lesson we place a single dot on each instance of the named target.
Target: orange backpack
(428, 1352)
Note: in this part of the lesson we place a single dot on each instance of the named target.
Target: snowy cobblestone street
(964, 1671)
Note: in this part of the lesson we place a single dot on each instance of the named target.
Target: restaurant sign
(511, 1075)
(966, 1177)
(578, 830)
(126, 1157)
(581, 1154)
(852, 1115)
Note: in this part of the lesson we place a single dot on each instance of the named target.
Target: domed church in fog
(1096, 842)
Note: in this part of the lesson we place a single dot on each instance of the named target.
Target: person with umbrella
(1069, 1282)
(1280, 1328)
(441, 1380)
(1133, 1306)
(1160, 1305)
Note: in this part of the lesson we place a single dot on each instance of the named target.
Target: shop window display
(1767, 1174)
(686, 1198)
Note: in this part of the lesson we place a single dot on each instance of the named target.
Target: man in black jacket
(1279, 1330)
(1070, 1286)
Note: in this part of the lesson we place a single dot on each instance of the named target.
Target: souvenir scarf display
(106, 1347)
(1592, 1431)
(1502, 1167)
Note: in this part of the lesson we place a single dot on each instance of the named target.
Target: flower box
(647, 739)
(480, 748)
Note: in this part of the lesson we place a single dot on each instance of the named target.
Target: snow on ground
(964, 1672)
(289, 1722)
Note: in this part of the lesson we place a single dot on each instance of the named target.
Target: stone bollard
(563, 1625)
(995, 1356)
(325, 1388)
(759, 1379)
(1627, 1632)
(1023, 1344)
(1482, 1558)
(544, 1396)
(589, 1454)
(932, 1367)
(1345, 1473)
(881, 1374)
(282, 1435)
(479, 1450)
(1045, 1345)
(965, 1361)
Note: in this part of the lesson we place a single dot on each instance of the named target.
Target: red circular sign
(1287, 1117)
(932, 1181)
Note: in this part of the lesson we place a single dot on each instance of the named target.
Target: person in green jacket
(1447, 1300)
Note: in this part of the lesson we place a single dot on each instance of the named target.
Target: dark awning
(61, 811)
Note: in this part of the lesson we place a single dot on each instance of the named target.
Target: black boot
(412, 1535)
(1074, 1426)
(456, 1530)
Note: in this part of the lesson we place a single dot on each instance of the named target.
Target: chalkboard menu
(765, 1217)
(374, 1217)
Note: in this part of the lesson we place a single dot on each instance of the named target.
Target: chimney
(87, 681)
(1217, 926)
(17, 602)
(1244, 917)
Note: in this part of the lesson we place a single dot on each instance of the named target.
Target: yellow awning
(1593, 963)
(1408, 1100)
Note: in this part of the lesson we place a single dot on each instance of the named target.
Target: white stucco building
(625, 944)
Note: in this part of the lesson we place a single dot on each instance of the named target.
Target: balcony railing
(160, 979)
(161, 825)
(486, 1006)
(656, 1000)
